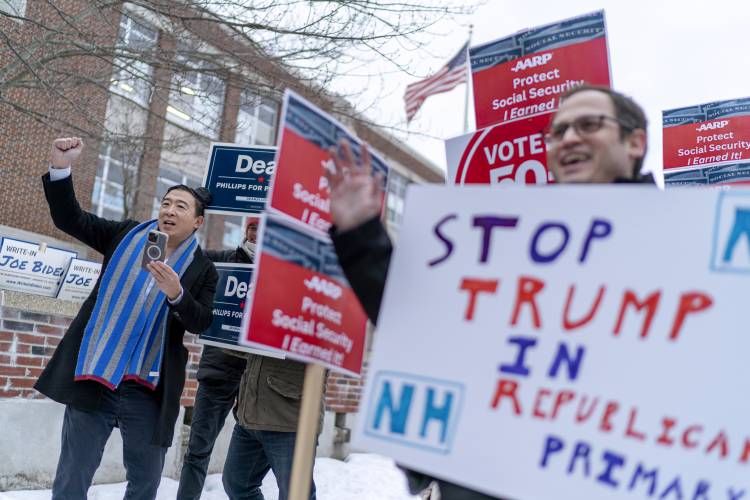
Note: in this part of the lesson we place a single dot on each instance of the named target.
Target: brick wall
(76, 104)
(343, 392)
(191, 384)
(28, 339)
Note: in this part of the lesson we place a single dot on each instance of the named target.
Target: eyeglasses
(583, 125)
(202, 196)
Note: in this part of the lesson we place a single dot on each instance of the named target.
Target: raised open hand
(356, 195)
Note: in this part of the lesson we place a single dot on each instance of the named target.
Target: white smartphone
(156, 247)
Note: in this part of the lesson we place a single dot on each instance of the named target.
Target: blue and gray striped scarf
(124, 338)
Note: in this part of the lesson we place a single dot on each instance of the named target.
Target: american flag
(450, 75)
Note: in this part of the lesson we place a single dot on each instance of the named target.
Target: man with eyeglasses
(597, 136)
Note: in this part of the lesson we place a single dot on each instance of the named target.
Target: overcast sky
(665, 54)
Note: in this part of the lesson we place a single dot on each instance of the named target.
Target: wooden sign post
(307, 433)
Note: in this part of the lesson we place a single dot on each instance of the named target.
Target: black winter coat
(270, 390)
(192, 313)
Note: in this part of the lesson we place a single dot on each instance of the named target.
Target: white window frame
(249, 123)
(189, 108)
(133, 79)
(396, 194)
(99, 198)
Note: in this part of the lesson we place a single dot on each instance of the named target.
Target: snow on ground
(360, 477)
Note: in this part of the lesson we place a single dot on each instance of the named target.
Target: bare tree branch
(78, 59)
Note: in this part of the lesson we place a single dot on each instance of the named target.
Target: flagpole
(468, 79)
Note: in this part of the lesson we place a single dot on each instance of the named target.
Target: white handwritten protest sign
(25, 268)
(567, 343)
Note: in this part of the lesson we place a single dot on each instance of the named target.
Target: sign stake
(307, 432)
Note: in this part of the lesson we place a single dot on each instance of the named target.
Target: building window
(197, 99)
(256, 120)
(132, 78)
(114, 184)
(15, 8)
(396, 193)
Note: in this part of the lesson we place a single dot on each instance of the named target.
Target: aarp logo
(415, 411)
(731, 243)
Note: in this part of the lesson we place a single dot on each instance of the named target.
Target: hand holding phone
(155, 249)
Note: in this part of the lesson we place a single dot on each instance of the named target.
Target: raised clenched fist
(65, 151)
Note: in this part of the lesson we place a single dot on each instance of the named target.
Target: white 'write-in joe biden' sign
(79, 280)
(31, 268)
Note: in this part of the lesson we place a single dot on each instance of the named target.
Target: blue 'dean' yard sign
(232, 290)
(238, 177)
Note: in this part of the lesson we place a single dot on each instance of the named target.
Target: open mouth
(168, 223)
(572, 159)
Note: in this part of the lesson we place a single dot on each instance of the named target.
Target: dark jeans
(213, 402)
(251, 453)
(134, 409)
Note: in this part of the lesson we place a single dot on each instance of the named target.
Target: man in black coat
(139, 394)
(219, 376)
(597, 136)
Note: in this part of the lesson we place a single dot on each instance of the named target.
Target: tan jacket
(270, 394)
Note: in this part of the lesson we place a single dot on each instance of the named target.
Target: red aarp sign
(523, 75)
(299, 188)
(708, 143)
(302, 306)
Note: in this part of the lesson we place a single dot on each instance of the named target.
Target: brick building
(146, 126)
